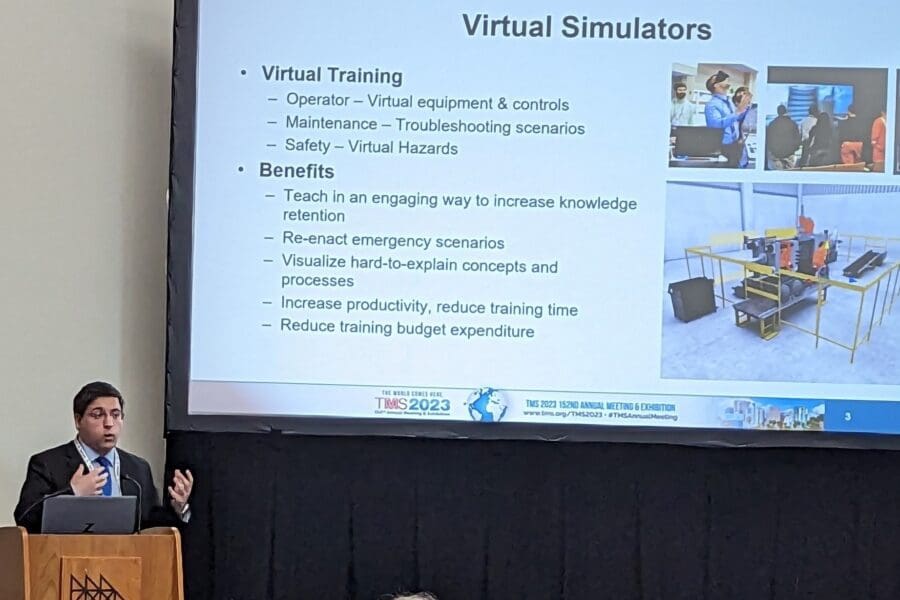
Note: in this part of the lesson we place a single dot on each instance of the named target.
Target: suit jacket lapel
(73, 459)
(127, 467)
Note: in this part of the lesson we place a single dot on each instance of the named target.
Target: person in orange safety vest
(820, 259)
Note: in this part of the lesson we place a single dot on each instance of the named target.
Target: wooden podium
(144, 566)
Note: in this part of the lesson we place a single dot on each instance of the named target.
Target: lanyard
(90, 464)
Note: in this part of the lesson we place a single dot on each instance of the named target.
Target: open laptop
(698, 142)
(90, 514)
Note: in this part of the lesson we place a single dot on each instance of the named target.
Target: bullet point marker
(241, 169)
(243, 71)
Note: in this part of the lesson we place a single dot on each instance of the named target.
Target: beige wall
(83, 175)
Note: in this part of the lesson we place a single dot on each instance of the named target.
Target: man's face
(722, 87)
(101, 424)
(681, 92)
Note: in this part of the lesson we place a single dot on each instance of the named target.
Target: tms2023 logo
(413, 404)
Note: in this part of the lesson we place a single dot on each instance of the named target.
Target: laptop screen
(90, 514)
(698, 141)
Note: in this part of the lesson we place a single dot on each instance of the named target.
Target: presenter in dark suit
(92, 465)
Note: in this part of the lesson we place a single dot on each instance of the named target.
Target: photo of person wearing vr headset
(713, 116)
(728, 114)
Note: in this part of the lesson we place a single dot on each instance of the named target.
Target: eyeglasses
(100, 415)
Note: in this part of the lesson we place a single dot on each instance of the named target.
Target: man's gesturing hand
(180, 490)
(90, 483)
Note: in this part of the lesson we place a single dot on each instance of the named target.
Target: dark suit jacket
(51, 470)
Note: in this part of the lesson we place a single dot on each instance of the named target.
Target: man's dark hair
(92, 391)
(678, 84)
(813, 110)
(782, 110)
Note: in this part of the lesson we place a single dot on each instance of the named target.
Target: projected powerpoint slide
(713, 117)
(782, 283)
(430, 212)
(826, 119)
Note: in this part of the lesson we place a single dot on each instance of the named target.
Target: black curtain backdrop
(290, 517)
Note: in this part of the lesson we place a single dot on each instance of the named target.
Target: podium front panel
(136, 567)
(102, 577)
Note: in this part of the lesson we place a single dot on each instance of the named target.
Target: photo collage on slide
(781, 253)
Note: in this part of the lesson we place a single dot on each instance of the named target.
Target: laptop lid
(698, 141)
(90, 514)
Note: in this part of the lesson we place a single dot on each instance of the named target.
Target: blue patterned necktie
(107, 487)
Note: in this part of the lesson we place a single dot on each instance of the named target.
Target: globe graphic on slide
(487, 405)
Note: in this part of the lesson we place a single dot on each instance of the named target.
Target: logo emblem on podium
(89, 589)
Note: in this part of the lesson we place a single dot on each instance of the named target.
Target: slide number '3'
(848, 416)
